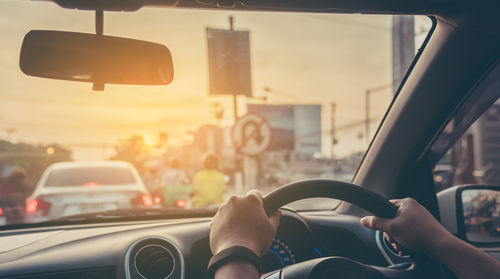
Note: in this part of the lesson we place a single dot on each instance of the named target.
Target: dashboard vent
(154, 261)
(154, 258)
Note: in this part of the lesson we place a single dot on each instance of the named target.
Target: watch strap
(233, 254)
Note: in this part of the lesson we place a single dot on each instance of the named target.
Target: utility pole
(367, 115)
(403, 47)
(367, 108)
(332, 129)
(104, 150)
(235, 94)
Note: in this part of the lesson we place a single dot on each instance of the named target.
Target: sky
(302, 58)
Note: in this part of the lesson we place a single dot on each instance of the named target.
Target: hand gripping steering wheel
(338, 267)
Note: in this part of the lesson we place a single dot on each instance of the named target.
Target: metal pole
(98, 84)
(104, 149)
(367, 116)
(99, 22)
(332, 119)
(235, 104)
(235, 94)
(367, 108)
(403, 47)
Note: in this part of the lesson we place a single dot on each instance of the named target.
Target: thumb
(374, 223)
(274, 219)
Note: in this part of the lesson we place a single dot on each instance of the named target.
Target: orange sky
(317, 58)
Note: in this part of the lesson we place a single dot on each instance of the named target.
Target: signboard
(251, 134)
(229, 62)
(294, 127)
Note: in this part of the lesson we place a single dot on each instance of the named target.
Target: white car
(72, 188)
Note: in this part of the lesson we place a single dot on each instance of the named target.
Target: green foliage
(132, 150)
(33, 158)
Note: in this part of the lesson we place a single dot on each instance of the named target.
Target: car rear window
(91, 176)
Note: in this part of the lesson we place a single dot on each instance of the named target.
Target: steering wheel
(339, 267)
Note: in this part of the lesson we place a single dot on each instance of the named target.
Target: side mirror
(472, 212)
(95, 58)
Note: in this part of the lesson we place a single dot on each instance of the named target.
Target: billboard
(229, 62)
(294, 127)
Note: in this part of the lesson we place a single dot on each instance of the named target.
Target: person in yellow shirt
(209, 184)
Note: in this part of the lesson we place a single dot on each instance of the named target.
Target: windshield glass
(311, 92)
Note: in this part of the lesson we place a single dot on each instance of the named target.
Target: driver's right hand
(414, 227)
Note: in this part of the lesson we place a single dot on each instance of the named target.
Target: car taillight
(147, 200)
(157, 200)
(142, 200)
(91, 184)
(1, 211)
(35, 205)
(32, 206)
(180, 203)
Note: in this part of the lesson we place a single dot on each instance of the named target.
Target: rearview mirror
(472, 212)
(95, 58)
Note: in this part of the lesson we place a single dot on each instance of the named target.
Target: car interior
(453, 80)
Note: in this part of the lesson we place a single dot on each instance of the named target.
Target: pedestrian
(13, 193)
(175, 184)
(209, 184)
(152, 177)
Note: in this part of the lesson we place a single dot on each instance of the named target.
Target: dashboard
(176, 248)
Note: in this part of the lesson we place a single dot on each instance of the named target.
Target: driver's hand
(413, 227)
(242, 221)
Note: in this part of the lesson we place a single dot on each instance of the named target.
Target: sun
(148, 141)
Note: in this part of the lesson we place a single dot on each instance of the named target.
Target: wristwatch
(233, 254)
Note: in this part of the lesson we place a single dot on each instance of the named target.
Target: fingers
(374, 223)
(396, 202)
(255, 192)
(274, 219)
(388, 237)
(254, 196)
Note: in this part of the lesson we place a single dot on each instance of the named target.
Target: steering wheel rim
(357, 195)
(329, 188)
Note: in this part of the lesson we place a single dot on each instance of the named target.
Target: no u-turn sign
(251, 134)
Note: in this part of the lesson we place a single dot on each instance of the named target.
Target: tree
(132, 150)
(33, 158)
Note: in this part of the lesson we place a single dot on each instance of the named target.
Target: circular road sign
(251, 134)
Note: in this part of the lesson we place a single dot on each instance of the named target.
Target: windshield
(311, 92)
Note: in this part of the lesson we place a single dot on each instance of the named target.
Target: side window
(475, 157)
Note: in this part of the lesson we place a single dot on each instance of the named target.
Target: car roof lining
(467, 14)
(414, 7)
